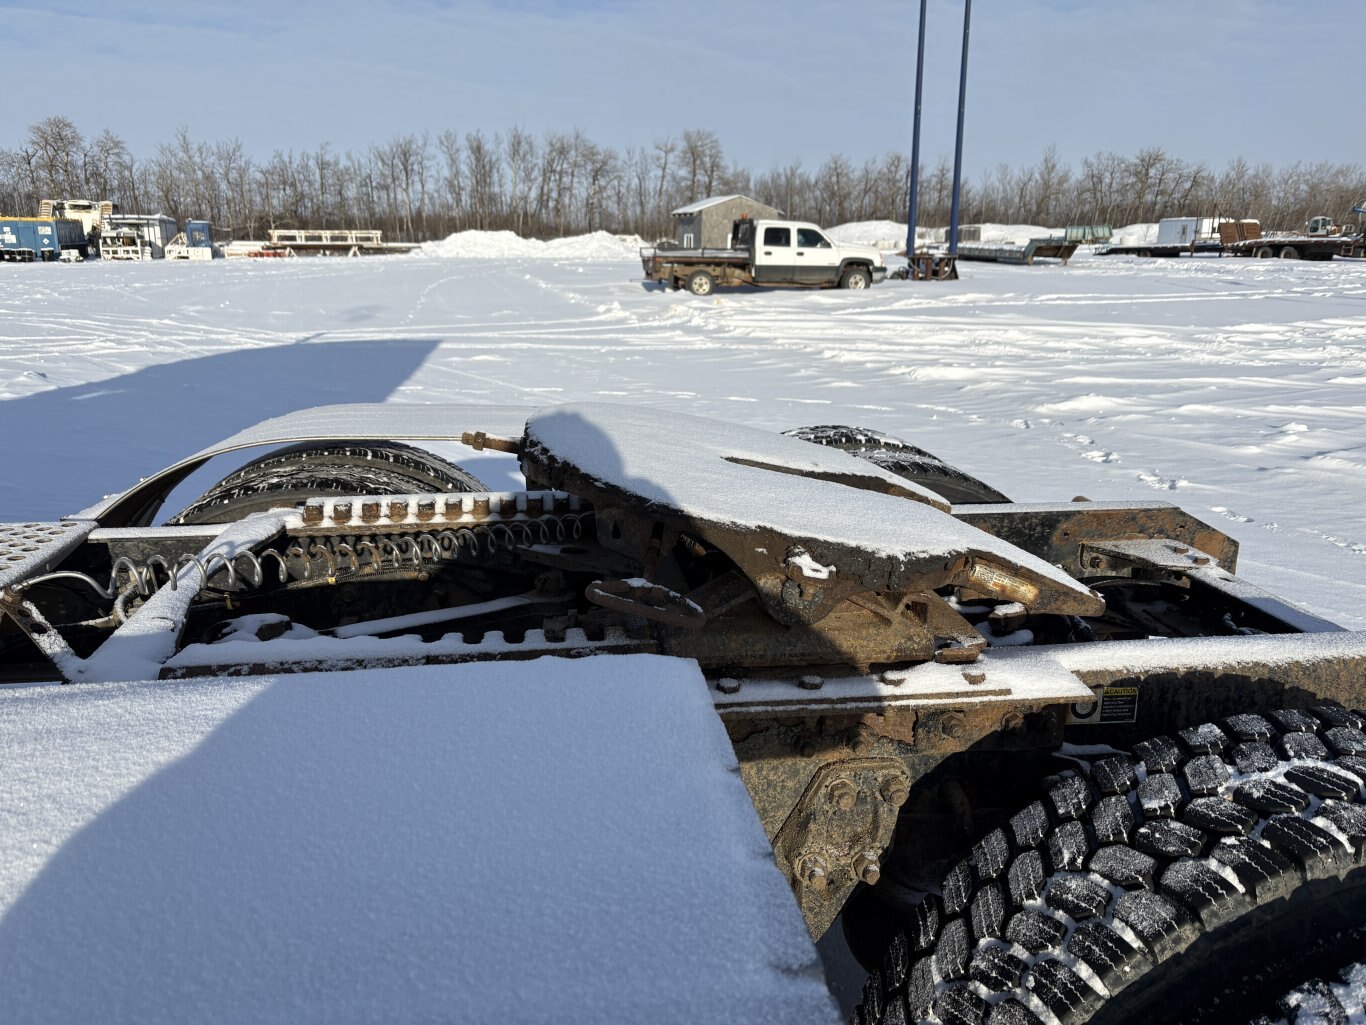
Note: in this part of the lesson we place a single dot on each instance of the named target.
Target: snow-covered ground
(1233, 388)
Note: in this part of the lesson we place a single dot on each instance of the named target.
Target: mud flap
(547, 840)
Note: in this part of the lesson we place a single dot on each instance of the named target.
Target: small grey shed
(707, 224)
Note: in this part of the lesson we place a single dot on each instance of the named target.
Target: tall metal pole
(958, 147)
(915, 139)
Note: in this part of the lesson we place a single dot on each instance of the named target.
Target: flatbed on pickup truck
(767, 252)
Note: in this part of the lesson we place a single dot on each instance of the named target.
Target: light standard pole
(958, 147)
(915, 141)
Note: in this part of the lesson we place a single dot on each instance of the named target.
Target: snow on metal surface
(672, 457)
(737, 475)
(30, 548)
(1250, 594)
(1046, 673)
(1205, 653)
(397, 420)
(320, 651)
(995, 677)
(392, 421)
(426, 844)
(456, 507)
(139, 647)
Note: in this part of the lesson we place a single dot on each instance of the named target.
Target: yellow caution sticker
(1112, 704)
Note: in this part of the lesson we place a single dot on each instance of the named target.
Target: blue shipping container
(40, 235)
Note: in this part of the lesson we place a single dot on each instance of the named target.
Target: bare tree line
(418, 187)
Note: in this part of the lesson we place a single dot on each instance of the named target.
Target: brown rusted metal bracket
(647, 600)
(835, 836)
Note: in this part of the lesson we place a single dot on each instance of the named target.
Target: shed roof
(703, 204)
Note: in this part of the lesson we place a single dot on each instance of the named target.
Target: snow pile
(506, 245)
(1017, 234)
(1134, 235)
(882, 234)
(892, 234)
(599, 245)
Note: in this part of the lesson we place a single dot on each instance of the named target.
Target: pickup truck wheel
(1289, 253)
(1196, 879)
(856, 277)
(1264, 253)
(287, 477)
(701, 282)
(905, 460)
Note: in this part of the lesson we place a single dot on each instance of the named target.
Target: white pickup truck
(767, 253)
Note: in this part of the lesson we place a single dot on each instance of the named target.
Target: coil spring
(370, 554)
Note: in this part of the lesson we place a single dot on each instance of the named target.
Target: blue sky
(777, 80)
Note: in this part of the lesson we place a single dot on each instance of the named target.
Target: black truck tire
(1195, 880)
(857, 278)
(905, 460)
(701, 282)
(288, 476)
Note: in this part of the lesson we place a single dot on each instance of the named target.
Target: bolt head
(813, 872)
(895, 792)
(867, 868)
(843, 794)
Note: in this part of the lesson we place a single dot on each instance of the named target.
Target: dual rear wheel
(1198, 879)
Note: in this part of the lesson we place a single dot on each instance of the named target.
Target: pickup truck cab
(767, 252)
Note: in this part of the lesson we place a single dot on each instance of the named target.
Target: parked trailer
(26, 239)
(1054, 248)
(324, 242)
(1321, 240)
(1176, 236)
(1289, 247)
